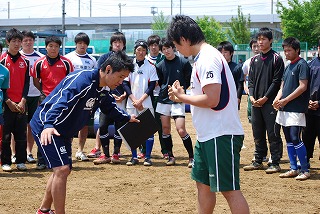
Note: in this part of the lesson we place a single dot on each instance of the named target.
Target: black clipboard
(134, 134)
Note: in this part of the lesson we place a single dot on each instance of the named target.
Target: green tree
(301, 20)
(160, 22)
(239, 31)
(212, 30)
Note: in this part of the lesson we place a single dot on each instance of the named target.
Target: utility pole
(120, 5)
(78, 12)
(90, 8)
(63, 26)
(8, 10)
(271, 15)
(171, 7)
(180, 7)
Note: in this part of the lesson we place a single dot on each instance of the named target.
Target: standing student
(227, 50)
(117, 43)
(155, 56)
(266, 70)
(65, 111)
(292, 103)
(15, 118)
(80, 59)
(139, 86)
(47, 73)
(33, 94)
(245, 68)
(169, 70)
(213, 103)
(312, 129)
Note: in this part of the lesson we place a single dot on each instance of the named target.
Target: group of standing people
(75, 84)
(280, 96)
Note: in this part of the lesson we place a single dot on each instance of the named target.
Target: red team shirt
(51, 75)
(19, 71)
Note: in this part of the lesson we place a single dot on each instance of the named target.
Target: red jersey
(18, 67)
(51, 74)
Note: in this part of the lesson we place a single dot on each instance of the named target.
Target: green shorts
(216, 163)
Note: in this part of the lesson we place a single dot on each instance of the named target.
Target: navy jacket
(70, 105)
(314, 83)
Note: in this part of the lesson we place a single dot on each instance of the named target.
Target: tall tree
(160, 22)
(301, 20)
(212, 30)
(239, 31)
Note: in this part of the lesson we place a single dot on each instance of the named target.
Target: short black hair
(52, 39)
(252, 41)
(266, 32)
(184, 26)
(26, 33)
(292, 42)
(13, 33)
(165, 42)
(118, 61)
(226, 46)
(153, 39)
(118, 36)
(82, 37)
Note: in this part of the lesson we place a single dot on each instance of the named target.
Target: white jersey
(246, 69)
(83, 62)
(156, 90)
(139, 80)
(210, 67)
(33, 91)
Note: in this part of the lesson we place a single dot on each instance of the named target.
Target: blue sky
(102, 8)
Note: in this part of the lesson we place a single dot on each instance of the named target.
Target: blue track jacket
(69, 106)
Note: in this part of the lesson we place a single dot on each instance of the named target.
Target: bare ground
(120, 189)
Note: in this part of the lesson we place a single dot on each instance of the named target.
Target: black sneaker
(31, 159)
(147, 162)
(171, 161)
(133, 161)
(41, 166)
(273, 169)
(253, 166)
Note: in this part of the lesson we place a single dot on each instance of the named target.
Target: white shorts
(177, 109)
(134, 111)
(291, 119)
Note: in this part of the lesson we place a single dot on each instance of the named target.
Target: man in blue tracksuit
(65, 111)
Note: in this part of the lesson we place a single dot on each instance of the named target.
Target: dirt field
(119, 189)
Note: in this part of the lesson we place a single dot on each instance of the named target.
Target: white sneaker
(6, 168)
(31, 159)
(303, 176)
(21, 167)
(81, 156)
(13, 159)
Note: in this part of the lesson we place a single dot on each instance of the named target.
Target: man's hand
(21, 106)
(12, 106)
(254, 102)
(313, 105)
(175, 90)
(261, 101)
(46, 135)
(133, 119)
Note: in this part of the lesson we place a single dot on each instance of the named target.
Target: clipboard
(134, 134)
